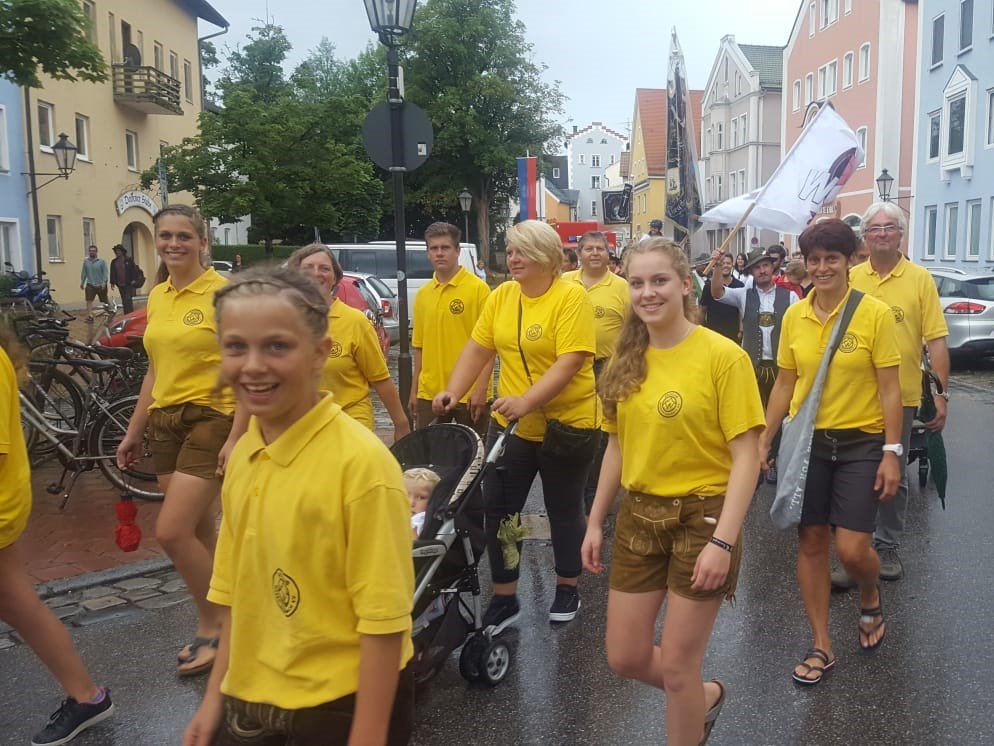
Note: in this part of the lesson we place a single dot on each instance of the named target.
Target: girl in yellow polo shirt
(86, 703)
(189, 421)
(355, 361)
(683, 413)
(856, 454)
(314, 553)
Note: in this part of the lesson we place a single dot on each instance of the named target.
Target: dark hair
(436, 230)
(830, 234)
(778, 250)
(570, 255)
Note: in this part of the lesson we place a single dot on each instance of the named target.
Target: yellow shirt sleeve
(483, 331)
(933, 322)
(368, 355)
(417, 311)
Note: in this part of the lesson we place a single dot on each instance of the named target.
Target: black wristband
(723, 544)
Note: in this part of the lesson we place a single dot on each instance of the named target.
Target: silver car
(968, 304)
(382, 297)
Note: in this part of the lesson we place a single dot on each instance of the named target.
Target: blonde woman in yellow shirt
(355, 361)
(683, 413)
(189, 421)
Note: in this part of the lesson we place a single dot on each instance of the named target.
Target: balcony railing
(146, 89)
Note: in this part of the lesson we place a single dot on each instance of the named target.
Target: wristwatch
(943, 394)
(896, 448)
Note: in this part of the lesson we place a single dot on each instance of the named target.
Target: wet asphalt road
(927, 684)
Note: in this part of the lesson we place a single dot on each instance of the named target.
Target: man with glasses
(912, 296)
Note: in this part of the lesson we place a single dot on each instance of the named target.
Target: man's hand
(941, 410)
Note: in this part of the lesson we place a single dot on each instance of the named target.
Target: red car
(123, 331)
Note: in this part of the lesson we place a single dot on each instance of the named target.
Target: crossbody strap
(520, 351)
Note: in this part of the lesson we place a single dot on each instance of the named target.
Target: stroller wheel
(922, 471)
(469, 658)
(495, 661)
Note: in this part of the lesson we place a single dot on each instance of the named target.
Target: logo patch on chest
(534, 332)
(286, 592)
(849, 343)
(898, 313)
(335, 350)
(457, 306)
(194, 317)
(599, 312)
(669, 404)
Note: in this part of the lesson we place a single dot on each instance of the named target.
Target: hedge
(251, 253)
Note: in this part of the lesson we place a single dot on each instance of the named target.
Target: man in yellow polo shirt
(910, 292)
(608, 293)
(445, 312)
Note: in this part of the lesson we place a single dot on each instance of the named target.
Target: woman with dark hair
(856, 452)
(739, 271)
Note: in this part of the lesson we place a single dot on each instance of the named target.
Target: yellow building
(648, 159)
(152, 97)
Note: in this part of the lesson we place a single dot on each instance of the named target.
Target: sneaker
(502, 612)
(841, 580)
(566, 605)
(71, 719)
(890, 564)
(771, 475)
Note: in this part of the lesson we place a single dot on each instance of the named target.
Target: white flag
(811, 174)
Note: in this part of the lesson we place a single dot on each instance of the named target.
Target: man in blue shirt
(93, 280)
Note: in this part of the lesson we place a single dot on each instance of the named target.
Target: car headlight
(119, 326)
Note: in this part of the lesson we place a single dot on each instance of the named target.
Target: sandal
(712, 714)
(820, 671)
(210, 643)
(189, 651)
(867, 616)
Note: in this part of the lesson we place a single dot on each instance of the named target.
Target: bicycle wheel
(105, 436)
(60, 401)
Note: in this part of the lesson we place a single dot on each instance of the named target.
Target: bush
(251, 253)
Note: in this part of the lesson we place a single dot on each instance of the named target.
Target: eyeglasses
(879, 230)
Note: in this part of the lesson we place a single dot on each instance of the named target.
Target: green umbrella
(937, 460)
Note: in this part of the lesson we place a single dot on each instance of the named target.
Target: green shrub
(251, 253)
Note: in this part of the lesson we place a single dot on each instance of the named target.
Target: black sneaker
(71, 719)
(502, 612)
(566, 604)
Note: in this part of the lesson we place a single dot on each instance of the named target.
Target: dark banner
(683, 196)
(618, 206)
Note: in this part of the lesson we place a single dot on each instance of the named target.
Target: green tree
(471, 67)
(50, 36)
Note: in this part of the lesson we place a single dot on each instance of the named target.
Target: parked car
(968, 305)
(222, 267)
(383, 297)
(124, 329)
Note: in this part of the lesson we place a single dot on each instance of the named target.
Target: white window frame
(82, 138)
(847, 7)
(612, 160)
(733, 183)
(718, 189)
(941, 38)
(812, 18)
(555, 173)
(745, 128)
(822, 80)
(595, 161)
(973, 231)
(158, 57)
(720, 134)
(990, 252)
(847, 63)
(48, 132)
(960, 85)
(989, 136)
(90, 12)
(583, 159)
(89, 233)
(809, 88)
(930, 117)
(58, 256)
(595, 182)
(951, 230)
(742, 182)
(188, 80)
(862, 137)
(962, 16)
(864, 63)
(593, 208)
(131, 150)
(4, 142)
(797, 95)
(833, 78)
(931, 220)
(10, 249)
(735, 132)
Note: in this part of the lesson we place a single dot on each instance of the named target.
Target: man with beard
(719, 316)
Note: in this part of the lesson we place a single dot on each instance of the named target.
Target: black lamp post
(466, 202)
(391, 20)
(884, 183)
(65, 161)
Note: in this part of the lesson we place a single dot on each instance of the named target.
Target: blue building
(15, 217)
(953, 224)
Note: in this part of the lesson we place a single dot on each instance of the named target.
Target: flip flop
(189, 650)
(195, 647)
(827, 665)
(712, 714)
(867, 616)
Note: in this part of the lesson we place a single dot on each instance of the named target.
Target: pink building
(861, 55)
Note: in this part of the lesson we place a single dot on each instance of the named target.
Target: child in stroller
(446, 553)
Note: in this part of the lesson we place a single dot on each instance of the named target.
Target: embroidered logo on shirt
(849, 343)
(335, 350)
(670, 404)
(898, 313)
(194, 317)
(534, 332)
(286, 592)
(457, 306)
(599, 312)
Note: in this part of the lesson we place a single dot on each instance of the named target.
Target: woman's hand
(204, 724)
(765, 461)
(443, 403)
(711, 568)
(131, 450)
(888, 476)
(590, 550)
(224, 454)
(512, 407)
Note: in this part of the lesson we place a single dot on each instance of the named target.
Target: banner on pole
(527, 178)
(683, 194)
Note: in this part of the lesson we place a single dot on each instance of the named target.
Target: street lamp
(65, 161)
(884, 182)
(391, 20)
(466, 202)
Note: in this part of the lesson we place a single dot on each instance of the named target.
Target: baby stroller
(447, 609)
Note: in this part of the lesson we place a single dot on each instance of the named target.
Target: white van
(380, 258)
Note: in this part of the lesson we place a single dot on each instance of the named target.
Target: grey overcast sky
(601, 50)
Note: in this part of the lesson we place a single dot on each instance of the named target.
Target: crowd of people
(624, 401)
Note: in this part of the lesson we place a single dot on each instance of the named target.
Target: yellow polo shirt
(310, 557)
(850, 398)
(181, 339)
(15, 471)
(910, 292)
(674, 431)
(560, 320)
(354, 361)
(610, 299)
(446, 314)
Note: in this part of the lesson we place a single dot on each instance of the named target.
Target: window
(738, 84)
(4, 146)
(822, 74)
(864, 63)
(595, 182)
(952, 218)
(555, 173)
(829, 12)
(847, 7)
(938, 29)
(721, 136)
(89, 233)
(990, 254)
(965, 25)
(46, 126)
(590, 141)
(595, 161)
(718, 192)
(847, 70)
(188, 80)
(745, 128)
(709, 141)
(8, 244)
(53, 229)
(930, 218)
(131, 146)
(973, 229)
(82, 137)
(593, 208)
(173, 66)
(797, 95)
(990, 120)
(583, 159)
(733, 183)
(812, 19)
(90, 13)
(603, 141)
(735, 132)
(809, 84)
(957, 122)
(832, 77)
(157, 57)
(742, 181)
(861, 138)
(113, 39)
(612, 160)
(934, 134)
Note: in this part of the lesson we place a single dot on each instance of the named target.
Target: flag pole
(731, 235)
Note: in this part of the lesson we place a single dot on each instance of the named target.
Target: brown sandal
(198, 643)
(820, 671)
(712, 714)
